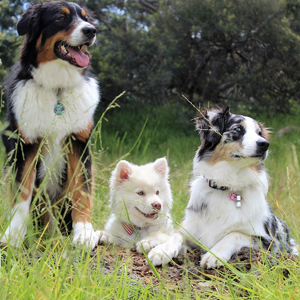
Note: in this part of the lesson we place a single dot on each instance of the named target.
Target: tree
(232, 51)
(127, 56)
(9, 40)
(225, 51)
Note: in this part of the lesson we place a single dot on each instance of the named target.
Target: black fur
(38, 24)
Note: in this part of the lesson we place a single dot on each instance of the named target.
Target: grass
(51, 268)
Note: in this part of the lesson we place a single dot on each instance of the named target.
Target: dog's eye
(238, 129)
(62, 18)
(260, 133)
(157, 193)
(141, 193)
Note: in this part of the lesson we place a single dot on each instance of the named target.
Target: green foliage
(9, 41)
(222, 52)
(225, 51)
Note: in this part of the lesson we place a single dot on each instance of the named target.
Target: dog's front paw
(84, 234)
(14, 235)
(161, 255)
(146, 245)
(106, 238)
(210, 261)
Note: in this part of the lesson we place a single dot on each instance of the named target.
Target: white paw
(162, 254)
(210, 261)
(106, 238)
(14, 235)
(85, 235)
(17, 228)
(146, 245)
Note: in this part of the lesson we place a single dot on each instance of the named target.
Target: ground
(186, 266)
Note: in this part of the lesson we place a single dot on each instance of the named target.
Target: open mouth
(73, 54)
(152, 215)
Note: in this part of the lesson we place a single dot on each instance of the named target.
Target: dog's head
(229, 137)
(56, 30)
(143, 190)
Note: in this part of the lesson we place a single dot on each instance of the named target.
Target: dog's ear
(124, 170)
(202, 121)
(266, 132)
(161, 166)
(211, 124)
(219, 119)
(25, 21)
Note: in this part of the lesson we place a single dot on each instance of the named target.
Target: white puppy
(140, 200)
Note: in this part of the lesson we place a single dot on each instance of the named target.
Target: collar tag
(236, 198)
(128, 228)
(59, 109)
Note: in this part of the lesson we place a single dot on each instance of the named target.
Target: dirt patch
(186, 266)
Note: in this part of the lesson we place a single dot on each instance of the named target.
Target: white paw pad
(85, 235)
(106, 238)
(161, 255)
(210, 261)
(146, 245)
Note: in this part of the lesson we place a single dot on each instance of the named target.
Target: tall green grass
(51, 268)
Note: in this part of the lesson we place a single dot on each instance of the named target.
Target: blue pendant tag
(59, 109)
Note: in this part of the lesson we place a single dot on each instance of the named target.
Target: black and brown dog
(51, 99)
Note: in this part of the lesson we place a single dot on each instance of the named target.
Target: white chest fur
(34, 102)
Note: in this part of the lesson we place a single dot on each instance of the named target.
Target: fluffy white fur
(212, 220)
(55, 81)
(134, 190)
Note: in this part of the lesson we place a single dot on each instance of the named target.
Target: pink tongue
(82, 59)
(151, 216)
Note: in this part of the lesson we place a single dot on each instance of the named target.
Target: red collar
(128, 228)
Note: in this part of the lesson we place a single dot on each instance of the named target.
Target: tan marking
(65, 10)
(223, 152)
(28, 175)
(84, 134)
(81, 200)
(83, 13)
(46, 51)
(256, 168)
(244, 124)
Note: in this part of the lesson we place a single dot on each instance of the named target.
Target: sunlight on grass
(50, 267)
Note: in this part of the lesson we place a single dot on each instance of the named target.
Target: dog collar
(129, 228)
(215, 186)
(236, 197)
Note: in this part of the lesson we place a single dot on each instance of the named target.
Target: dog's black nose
(262, 145)
(89, 31)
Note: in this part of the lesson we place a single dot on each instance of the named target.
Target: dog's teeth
(63, 48)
